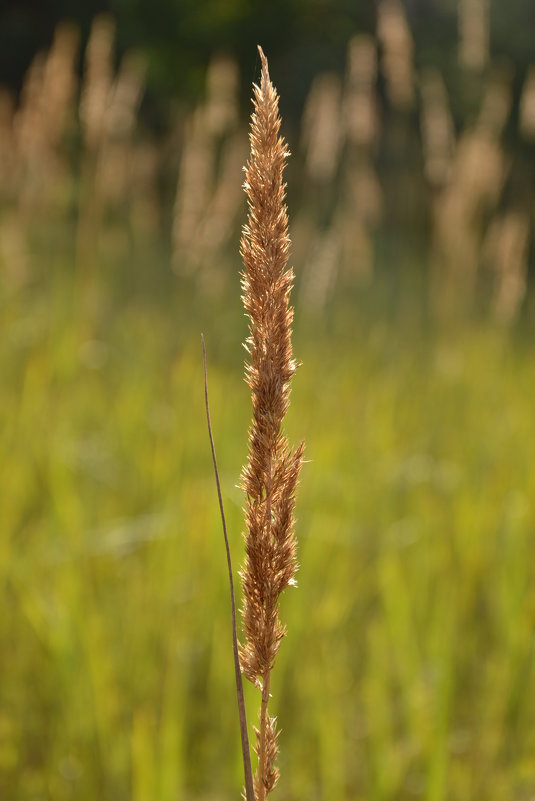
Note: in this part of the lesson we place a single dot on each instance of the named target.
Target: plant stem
(262, 757)
(246, 755)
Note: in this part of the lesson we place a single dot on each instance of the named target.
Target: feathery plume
(270, 476)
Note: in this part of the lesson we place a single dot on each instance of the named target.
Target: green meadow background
(408, 668)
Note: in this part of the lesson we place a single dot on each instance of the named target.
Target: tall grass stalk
(248, 774)
(271, 473)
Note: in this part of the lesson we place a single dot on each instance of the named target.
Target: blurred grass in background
(408, 667)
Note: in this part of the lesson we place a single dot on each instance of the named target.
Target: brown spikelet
(267, 774)
(270, 476)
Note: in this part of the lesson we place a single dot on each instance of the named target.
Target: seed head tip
(265, 72)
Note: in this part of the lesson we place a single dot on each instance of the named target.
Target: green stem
(246, 754)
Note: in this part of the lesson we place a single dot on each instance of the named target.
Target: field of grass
(408, 668)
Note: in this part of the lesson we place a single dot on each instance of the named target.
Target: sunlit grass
(407, 671)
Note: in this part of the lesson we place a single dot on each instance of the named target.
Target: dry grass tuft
(270, 476)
